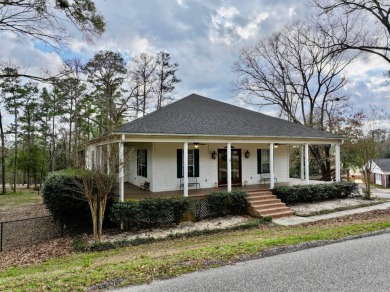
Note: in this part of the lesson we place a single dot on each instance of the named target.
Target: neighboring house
(381, 172)
(218, 143)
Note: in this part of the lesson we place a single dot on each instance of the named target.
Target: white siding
(131, 164)
(165, 165)
(90, 156)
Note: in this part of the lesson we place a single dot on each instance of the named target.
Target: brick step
(260, 196)
(260, 193)
(264, 201)
(273, 210)
(259, 207)
(278, 214)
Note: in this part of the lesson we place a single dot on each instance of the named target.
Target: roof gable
(198, 115)
(383, 164)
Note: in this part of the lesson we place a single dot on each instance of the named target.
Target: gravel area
(308, 208)
(184, 227)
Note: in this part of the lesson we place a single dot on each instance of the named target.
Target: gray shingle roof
(384, 164)
(198, 115)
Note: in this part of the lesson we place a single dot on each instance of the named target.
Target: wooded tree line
(52, 121)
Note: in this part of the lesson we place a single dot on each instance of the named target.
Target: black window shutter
(196, 162)
(146, 163)
(179, 163)
(259, 161)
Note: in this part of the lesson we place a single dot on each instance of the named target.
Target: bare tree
(45, 21)
(361, 25)
(303, 81)
(49, 21)
(142, 75)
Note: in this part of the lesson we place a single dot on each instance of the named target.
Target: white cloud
(252, 27)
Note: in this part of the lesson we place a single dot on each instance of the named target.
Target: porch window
(190, 163)
(263, 161)
(141, 163)
(193, 163)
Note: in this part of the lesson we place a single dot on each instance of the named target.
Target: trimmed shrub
(149, 213)
(227, 203)
(64, 200)
(155, 212)
(315, 193)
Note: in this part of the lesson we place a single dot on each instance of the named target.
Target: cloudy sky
(204, 37)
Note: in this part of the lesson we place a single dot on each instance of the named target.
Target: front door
(222, 167)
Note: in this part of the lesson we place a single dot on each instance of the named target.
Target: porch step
(264, 203)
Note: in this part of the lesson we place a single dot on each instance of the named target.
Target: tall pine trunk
(16, 151)
(2, 155)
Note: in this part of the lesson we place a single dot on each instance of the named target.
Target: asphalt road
(353, 265)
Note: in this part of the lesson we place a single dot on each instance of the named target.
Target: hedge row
(227, 203)
(315, 193)
(148, 213)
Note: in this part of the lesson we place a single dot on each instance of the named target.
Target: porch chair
(266, 177)
(145, 186)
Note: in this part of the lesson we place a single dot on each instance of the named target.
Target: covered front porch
(134, 192)
(171, 167)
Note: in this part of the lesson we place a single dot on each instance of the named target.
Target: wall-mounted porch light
(276, 145)
(247, 154)
(214, 155)
(196, 145)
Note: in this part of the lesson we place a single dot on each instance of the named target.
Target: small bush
(315, 193)
(227, 203)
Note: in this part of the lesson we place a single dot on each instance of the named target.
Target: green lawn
(143, 263)
(11, 200)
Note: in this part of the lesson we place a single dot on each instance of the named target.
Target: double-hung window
(193, 163)
(263, 159)
(141, 163)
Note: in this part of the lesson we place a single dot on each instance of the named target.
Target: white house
(381, 172)
(198, 139)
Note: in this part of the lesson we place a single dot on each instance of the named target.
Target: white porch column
(185, 170)
(306, 164)
(302, 164)
(108, 158)
(337, 161)
(229, 167)
(121, 170)
(271, 166)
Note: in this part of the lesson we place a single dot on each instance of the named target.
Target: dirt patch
(24, 212)
(36, 253)
(372, 216)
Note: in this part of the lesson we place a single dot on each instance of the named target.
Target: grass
(327, 211)
(22, 198)
(143, 263)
